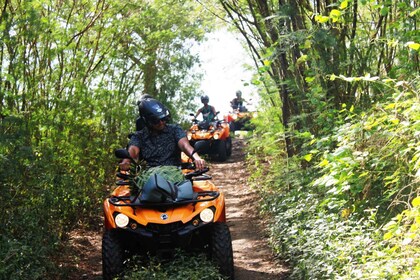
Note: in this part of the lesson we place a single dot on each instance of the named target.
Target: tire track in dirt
(253, 258)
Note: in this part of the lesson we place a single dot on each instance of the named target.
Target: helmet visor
(155, 121)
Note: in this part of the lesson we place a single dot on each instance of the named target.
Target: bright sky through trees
(223, 59)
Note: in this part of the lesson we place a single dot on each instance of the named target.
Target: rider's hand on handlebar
(199, 162)
(125, 164)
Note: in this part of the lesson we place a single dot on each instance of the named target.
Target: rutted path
(252, 256)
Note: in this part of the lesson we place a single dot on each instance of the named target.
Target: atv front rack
(134, 201)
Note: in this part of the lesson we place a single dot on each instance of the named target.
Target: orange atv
(163, 216)
(240, 119)
(216, 133)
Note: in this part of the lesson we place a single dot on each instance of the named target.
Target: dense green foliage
(70, 75)
(340, 216)
(335, 154)
(180, 266)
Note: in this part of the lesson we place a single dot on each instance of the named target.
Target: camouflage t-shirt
(159, 148)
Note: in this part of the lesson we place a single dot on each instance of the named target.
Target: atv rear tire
(232, 127)
(229, 146)
(112, 255)
(221, 151)
(221, 249)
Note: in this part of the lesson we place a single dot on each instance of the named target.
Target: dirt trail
(252, 256)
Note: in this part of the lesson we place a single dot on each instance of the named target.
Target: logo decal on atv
(164, 216)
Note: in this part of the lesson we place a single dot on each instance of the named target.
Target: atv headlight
(207, 215)
(216, 136)
(234, 117)
(121, 220)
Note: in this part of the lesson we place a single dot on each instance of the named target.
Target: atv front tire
(112, 255)
(221, 249)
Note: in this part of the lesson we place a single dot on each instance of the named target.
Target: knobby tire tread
(222, 252)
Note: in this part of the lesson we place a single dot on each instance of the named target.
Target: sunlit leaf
(345, 213)
(413, 45)
(323, 163)
(335, 13)
(390, 106)
(344, 4)
(416, 201)
(309, 79)
(388, 235)
(322, 19)
(301, 59)
(308, 157)
(395, 121)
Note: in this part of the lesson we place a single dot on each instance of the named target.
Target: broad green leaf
(414, 46)
(308, 157)
(309, 79)
(322, 19)
(395, 121)
(344, 4)
(416, 201)
(335, 13)
(390, 106)
(388, 235)
(301, 59)
(323, 163)
(384, 11)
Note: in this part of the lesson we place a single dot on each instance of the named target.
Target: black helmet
(152, 111)
(238, 93)
(204, 98)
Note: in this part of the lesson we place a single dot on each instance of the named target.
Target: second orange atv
(240, 119)
(215, 133)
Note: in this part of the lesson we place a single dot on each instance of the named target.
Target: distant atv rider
(238, 102)
(208, 111)
(158, 142)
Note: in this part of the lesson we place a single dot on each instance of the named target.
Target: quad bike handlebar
(131, 179)
(130, 201)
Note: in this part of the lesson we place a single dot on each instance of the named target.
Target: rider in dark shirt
(238, 102)
(159, 143)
